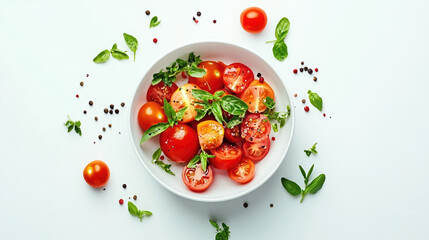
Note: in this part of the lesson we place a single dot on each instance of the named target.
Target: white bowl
(222, 188)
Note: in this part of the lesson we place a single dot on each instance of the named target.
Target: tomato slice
(243, 172)
(233, 134)
(179, 143)
(197, 180)
(157, 93)
(255, 127)
(255, 94)
(181, 98)
(237, 77)
(258, 150)
(210, 134)
(226, 155)
(194, 124)
(213, 80)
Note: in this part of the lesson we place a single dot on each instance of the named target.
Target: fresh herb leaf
(218, 93)
(217, 112)
(282, 28)
(221, 233)
(102, 57)
(202, 157)
(233, 105)
(291, 187)
(118, 54)
(132, 43)
(70, 125)
(280, 117)
(169, 110)
(154, 22)
(164, 166)
(316, 184)
(311, 150)
(133, 210)
(153, 131)
(315, 100)
(202, 95)
(280, 49)
(234, 122)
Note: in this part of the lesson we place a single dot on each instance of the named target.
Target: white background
(373, 59)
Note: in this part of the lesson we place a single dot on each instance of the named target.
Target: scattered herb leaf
(70, 125)
(315, 100)
(165, 166)
(311, 150)
(102, 57)
(202, 157)
(132, 43)
(280, 49)
(133, 210)
(221, 233)
(118, 54)
(154, 22)
(280, 117)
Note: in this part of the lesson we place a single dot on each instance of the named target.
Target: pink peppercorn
(295, 71)
(306, 108)
(121, 201)
(316, 69)
(155, 40)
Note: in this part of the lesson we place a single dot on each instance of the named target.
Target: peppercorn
(122, 104)
(116, 111)
(106, 110)
(135, 197)
(245, 205)
(104, 129)
(155, 40)
(112, 106)
(100, 137)
(271, 205)
(295, 95)
(77, 95)
(199, 14)
(295, 71)
(259, 75)
(87, 75)
(273, 138)
(315, 79)
(196, 21)
(261, 79)
(301, 69)
(324, 115)
(147, 12)
(193, 18)
(81, 84)
(214, 21)
(96, 118)
(316, 69)
(303, 100)
(306, 108)
(124, 185)
(91, 103)
(110, 125)
(302, 63)
(310, 71)
(305, 68)
(111, 111)
(84, 111)
(121, 201)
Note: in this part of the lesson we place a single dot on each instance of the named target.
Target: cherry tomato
(179, 143)
(226, 155)
(96, 173)
(237, 77)
(197, 180)
(256, 151)
(255, 96)
(210, 134)
(253, 19)
(150, 114)
(183, 97)
(157, 93)
(233, 134)
(194, 124)
(243, 172)
(213, 80)
(255, 127)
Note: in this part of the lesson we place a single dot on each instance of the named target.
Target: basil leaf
(219, 93)
(275, 127)
(217, 112)
(147, 213)
(156, 154)
(202, 95)
(182, 63)
(194, 161)
(77, 130)
(102, 57)
(291, 187)
(153, 131)
(214, 224)
(307, 152)
(154, 22)
(316, 184)
(169, 111)
(315, 100)
(133, 209)
(203, 158)
(180, 114)
(132, 43)
(233, 105)
(70, 128)
(234, 122)
(280, 51)
(282, 29)
(269, 102)
(114, 47)
(196, 72)
(201, 113)
(118, 54)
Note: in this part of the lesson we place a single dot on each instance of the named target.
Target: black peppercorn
(81, 84)
(245, 205)
(310, 71)
(100, 137)
(104, 129)
(91, 103)
(116, 111)
(124, 185)
(305, 68)
(135, 197)
(106, 110)
(147, 12)
(259, 75)
(113, 106)
(111, 111)
(96, 118)
(315, 79)
(110, 125)
(198, 13)
(302, 63)
(84, 111)
(301, 69)
(122, 104)
(303, 100)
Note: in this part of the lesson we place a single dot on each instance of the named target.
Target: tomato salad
(221, 118)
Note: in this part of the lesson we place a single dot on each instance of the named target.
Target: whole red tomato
(150, 114)
(213, 80)
(96, 173)
(179, 143)
(253, 19)
(157, 93)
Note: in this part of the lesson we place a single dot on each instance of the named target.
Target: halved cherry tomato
(253, 19)
(197, 180)
(256, 151)
(254, 96)
(210, 134)
(213, 80)
(194, 124)
(96, 173)
(157, 93)
(233, 134)
(226, 155)
(255, 127)
(179, 143)
(237, 77)
(183, 97)
(150, 114)
(243, 172)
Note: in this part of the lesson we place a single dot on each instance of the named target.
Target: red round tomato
(243, 172)
(96, 173)
(197, 180)
(213, 80)
(254, 96)
(255, 127)
(150, 114)
(226, 155)
(253, 19)
(179, 143)
(210, 134)
(183, 97)
(237, 77)
(256, 151)
(194, 124)
(157, 93)
(233, 134)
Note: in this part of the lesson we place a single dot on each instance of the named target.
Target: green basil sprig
(102, 57)
(133, 210)
(213, 104)
(180, 65)
(118, 54)
(202, 157)
(221, 233)
(280, 117)
(315, 185)
(164, 166)
(132, 43)
(315, 100)
(311, 150)
(154, 22)
(280, 48)
(70, 125)
(173, 119)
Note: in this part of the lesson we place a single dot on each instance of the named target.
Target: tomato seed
(155, 40)
(306, 108)
(295, 71)
(121, 201)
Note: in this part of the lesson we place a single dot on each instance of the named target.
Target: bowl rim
(234, 196)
